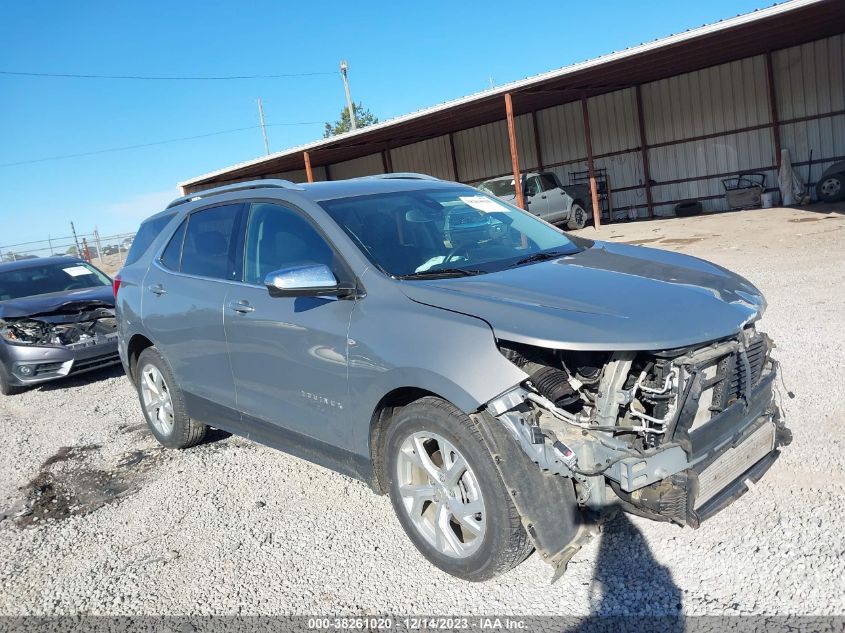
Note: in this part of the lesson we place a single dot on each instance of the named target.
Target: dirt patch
(132, 428)
(645, 241)
(67, 485)
(682, 240)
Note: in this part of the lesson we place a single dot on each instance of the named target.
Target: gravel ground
(230, 527)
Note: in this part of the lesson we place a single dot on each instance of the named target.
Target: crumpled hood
(607, 297)
(70, 301)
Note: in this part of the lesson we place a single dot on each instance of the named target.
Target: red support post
(594, 191)
(517, 178)
(308, 173)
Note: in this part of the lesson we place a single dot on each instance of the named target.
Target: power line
(163, 78)
(151, 144)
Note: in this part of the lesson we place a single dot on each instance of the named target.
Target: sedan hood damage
(72, 320)
(57, 302)
(609, 297)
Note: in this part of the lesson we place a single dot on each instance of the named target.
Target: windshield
(502, 187)
(453, 231)
(46, 278)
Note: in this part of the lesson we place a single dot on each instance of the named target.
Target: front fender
(395, 342)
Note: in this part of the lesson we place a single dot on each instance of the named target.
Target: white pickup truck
(545, 197)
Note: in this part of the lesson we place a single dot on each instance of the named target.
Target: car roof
(316, 191)
(334, 189)
(23, 264)
(325, 190)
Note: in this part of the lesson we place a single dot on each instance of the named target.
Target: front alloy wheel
(441, 495)
(447, 491)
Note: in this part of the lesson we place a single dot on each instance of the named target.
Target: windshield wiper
(442, 272)
(538, 257)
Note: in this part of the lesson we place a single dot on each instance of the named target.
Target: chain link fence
(107, 252)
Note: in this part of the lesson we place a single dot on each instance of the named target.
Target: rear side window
(211, 243)
(146, 235)
(549, 181)
(172, 255)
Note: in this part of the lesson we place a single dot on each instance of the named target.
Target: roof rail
(269, 183)
(399, 176)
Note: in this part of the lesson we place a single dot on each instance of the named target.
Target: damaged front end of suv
(673, 435)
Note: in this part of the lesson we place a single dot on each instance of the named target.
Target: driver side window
(532, 186)
(276, 238)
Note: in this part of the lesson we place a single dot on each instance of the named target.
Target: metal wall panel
(483, 151)
(731, 153)
(717, 99)
(364, 166)
(613, 122)
(826, 137)
(561, 131)
(432, 157)
(810, 79)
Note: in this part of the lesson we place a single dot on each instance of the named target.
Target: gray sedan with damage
(507, 384)
(56, 319)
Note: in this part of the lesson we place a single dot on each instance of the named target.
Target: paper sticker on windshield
(78, 271)
(482, 203)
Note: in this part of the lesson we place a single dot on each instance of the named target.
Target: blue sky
(402, 57)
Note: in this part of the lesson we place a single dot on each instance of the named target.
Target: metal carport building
(666, 121)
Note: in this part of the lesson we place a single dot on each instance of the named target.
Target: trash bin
(767, 199)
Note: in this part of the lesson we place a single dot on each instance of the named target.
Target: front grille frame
(733, 402)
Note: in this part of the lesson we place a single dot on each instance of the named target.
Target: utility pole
(75, 240)
(343, 68)
(263, 127)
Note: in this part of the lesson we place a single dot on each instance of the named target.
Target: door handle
(158, 290)
(241, 307)
(543, 196)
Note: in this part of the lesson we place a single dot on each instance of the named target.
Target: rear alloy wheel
(830, 188)
(577, 217)
(448, 494)
(163, 403)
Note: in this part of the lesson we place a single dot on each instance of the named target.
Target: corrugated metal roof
(784, 23)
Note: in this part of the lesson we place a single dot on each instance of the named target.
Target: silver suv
(507, 384)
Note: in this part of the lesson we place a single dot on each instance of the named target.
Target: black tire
(184, 431)
(505, 543)
(831, 187)
(5, 388)
(577, 217)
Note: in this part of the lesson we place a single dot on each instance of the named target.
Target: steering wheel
(75, 285)
(460, 248)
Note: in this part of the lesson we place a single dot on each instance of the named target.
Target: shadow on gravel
(630, 590)
(68, 485)
(212, 436)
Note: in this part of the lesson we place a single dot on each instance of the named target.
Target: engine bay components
(616, 423)
(93, 327)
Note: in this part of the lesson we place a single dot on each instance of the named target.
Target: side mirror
(305, 280)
